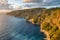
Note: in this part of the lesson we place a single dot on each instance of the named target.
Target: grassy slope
(48, 19)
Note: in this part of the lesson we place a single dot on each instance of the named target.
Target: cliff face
(48, 19)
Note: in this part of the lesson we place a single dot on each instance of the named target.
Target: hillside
(48, 19)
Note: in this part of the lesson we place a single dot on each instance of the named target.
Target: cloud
(53, 3)
(31, 3)
(44, 0)
(3, 2)
(36, 1)
(41, 3)
(26, 0)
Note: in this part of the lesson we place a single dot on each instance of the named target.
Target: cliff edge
(48, 19)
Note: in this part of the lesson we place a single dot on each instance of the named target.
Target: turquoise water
(12, 28)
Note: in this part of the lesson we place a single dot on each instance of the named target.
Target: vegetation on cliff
(48, 19)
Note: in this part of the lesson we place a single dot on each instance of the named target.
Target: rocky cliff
(48, 19)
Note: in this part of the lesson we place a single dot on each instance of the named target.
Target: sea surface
(12, 28)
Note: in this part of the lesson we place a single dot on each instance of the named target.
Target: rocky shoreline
(48, 19)
(45, 32)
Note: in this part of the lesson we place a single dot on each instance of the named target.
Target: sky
(33, 3)
(40, 3)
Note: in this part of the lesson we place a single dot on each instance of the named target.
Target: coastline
(45, 32)
(39, 15)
